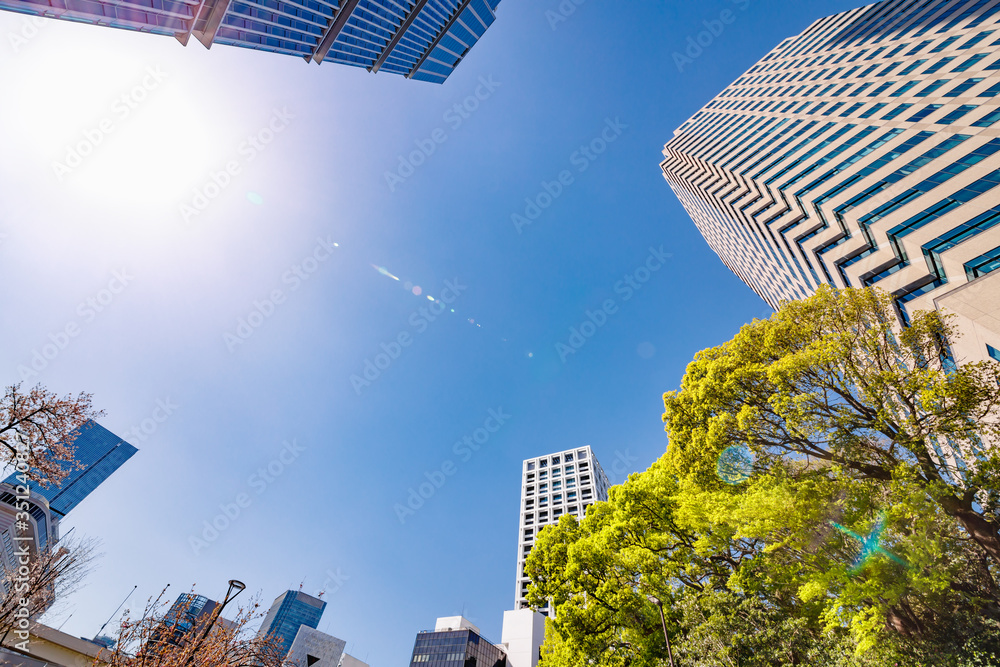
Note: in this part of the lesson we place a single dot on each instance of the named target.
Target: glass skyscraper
(455, 643)
(290, 611)
(100, 452)
(864, 151)
(419, 39)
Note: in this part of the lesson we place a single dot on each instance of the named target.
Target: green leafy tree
(829, 496)
(832, 380)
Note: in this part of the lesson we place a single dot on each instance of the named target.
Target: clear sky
(234, 321)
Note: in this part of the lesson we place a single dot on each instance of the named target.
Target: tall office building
(455, 642)
(864, 151)
(291, 610)
(190, 611)
(419, 39)
(551, 486)
(100, 453)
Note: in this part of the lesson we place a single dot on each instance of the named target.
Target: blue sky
(291, 158)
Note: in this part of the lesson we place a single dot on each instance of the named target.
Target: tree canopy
(828, 496)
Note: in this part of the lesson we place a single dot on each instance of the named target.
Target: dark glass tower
(100, 452)
(290, 611)
(419, 39)
(456, 643)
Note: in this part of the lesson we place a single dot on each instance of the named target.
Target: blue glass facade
(100, 452)
(455, 648)
(900, 192)
(419, 39)
(290, 611)
(184, 615)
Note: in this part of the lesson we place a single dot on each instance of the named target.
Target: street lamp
(234, 585)
(655, 600)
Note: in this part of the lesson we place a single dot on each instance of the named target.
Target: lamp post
(666, 637)
(234, 585)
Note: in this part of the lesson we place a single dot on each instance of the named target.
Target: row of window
(543, 518)
(555, 459)
(556, 472)
(557, 498)
(859, 73)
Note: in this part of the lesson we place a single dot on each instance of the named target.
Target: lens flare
(870, 545)
(735, 464)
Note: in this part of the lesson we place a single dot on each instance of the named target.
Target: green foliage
(863, 530)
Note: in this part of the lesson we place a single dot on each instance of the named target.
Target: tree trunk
(984, 532)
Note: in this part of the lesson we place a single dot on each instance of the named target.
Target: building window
(543, 475)
(557, 499)
(568, 457)
(542, 488)
(581, 454)
(555, 460)
(531, 465)
(543, 502)
(570, 483)
(556, 486)
(993, 352)
(543, 463)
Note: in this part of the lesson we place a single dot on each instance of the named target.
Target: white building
(553, 485)
(864, 151)
(312, 648)
(523, 635)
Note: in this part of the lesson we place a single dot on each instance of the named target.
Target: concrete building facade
(522, 637)
(864, 151)
(553, 485)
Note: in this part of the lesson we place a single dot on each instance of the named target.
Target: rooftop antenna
(115, 612)
(64, 622)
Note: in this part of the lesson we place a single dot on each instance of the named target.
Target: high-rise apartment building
(864, 151)
(419, 39)
(551, 486)
(99, 453)
(291, 610)
(455, 642)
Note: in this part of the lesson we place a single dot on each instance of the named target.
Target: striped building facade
(419, 39)
(864, 151)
